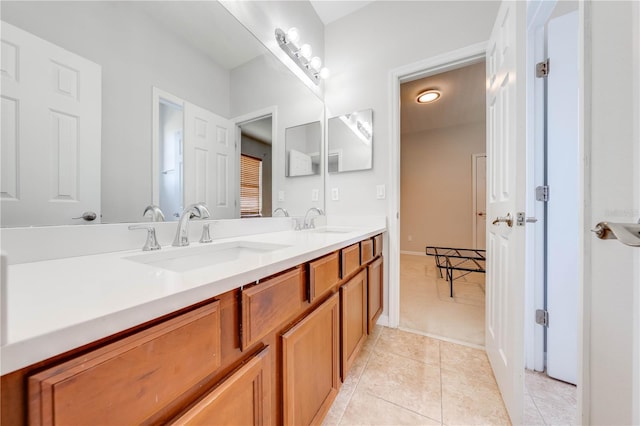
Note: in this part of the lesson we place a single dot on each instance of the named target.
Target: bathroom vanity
(265, 338)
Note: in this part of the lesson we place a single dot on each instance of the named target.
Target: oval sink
(188, 258)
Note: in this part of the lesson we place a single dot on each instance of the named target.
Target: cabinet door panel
(127, 381)
(366, 251)
(270, 303)
(310, 357)
(350, 259)
(377, 245)
(242, 399)
(375, 290)
(353, 306)
(324, 274)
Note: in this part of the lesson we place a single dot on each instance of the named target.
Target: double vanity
(252, 329)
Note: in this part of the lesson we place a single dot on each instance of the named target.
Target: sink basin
(188, 258)
(332, 230)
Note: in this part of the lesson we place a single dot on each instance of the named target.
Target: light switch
(314, 195)
(280, 195)
(335, 194)
(380, 192)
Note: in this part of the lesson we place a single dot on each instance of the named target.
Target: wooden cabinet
(377, 245)
(375, 292)
(244, 398)
(353, 319)
(126, 382)
(270, 303)
(324, 274)
(366, 251)
(350, 259)
(310, 355)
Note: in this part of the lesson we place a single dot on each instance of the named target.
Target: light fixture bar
(294, 52)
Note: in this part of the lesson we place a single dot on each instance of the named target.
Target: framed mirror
(303, 147)
(199, 58)
(350, 142)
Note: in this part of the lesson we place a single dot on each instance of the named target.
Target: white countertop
(56, 305)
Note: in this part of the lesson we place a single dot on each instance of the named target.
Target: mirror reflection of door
(171, 159)
(256, 167)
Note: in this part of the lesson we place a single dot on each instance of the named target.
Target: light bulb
(293, 36)
(315, 63)
(305, 51)
(428, 96)
(324, 73)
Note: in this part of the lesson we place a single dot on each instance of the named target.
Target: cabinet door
(353, 307)
(244, 398)
(310, 374)
(375, 290)
(271, 303)
(350, 260)
(324, 273)
(128, 381)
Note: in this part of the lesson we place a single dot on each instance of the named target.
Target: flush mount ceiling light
(428, 96)
(301, 55)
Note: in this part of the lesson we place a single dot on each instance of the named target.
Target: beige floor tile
(405, 382)
(468, 400)
(366, 409)
(470, 361)
(531, 415)
(410, 345)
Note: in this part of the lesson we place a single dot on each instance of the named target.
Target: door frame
(474, 196)
(430, 66)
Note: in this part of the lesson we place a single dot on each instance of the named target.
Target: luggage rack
(462, 260)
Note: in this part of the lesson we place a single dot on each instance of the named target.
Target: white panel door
(563, 170)
(209, 162)
(51, 132)
(506, 190)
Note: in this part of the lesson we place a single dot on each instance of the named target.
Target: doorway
(256, 139)
(440, 142)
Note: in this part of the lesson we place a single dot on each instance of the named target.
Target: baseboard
(413, 253)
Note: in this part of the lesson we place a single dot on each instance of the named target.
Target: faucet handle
(206, 236)
(152, 241)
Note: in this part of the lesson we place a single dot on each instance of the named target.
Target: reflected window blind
(250, 186)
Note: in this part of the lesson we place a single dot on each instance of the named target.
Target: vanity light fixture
(301, 55)
(428, 96)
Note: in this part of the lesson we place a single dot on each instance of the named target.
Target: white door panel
(51, 132)
(563, 228)
(506, 179)
(209, 156)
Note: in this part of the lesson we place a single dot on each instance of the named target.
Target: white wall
(436, 182)
(612, 187)
(135, 54)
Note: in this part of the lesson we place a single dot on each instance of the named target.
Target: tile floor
(406, 378)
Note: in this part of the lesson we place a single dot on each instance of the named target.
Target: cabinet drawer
(350, 259)
(366, 250)
(127, 381)
(324, 274)
(244, 398)
(270, 303)
(377, 245)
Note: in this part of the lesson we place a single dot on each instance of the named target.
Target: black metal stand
(452, 259)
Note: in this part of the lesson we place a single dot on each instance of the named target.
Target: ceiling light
(428, 96)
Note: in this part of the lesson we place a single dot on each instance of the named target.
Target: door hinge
(542, 68)
(542, 193)
(542, 317)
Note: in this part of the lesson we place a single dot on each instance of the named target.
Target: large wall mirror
(145, 97)
(350, 142)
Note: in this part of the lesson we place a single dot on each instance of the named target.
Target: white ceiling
(462, 101)
(332, 10)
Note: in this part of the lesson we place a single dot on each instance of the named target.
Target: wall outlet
(335, 194)
(314, 195)
(280, 195)
(380, 192)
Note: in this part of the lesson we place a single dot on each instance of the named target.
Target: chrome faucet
(308, 222)
(199, 210)
(283, 210)
(156, 213)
